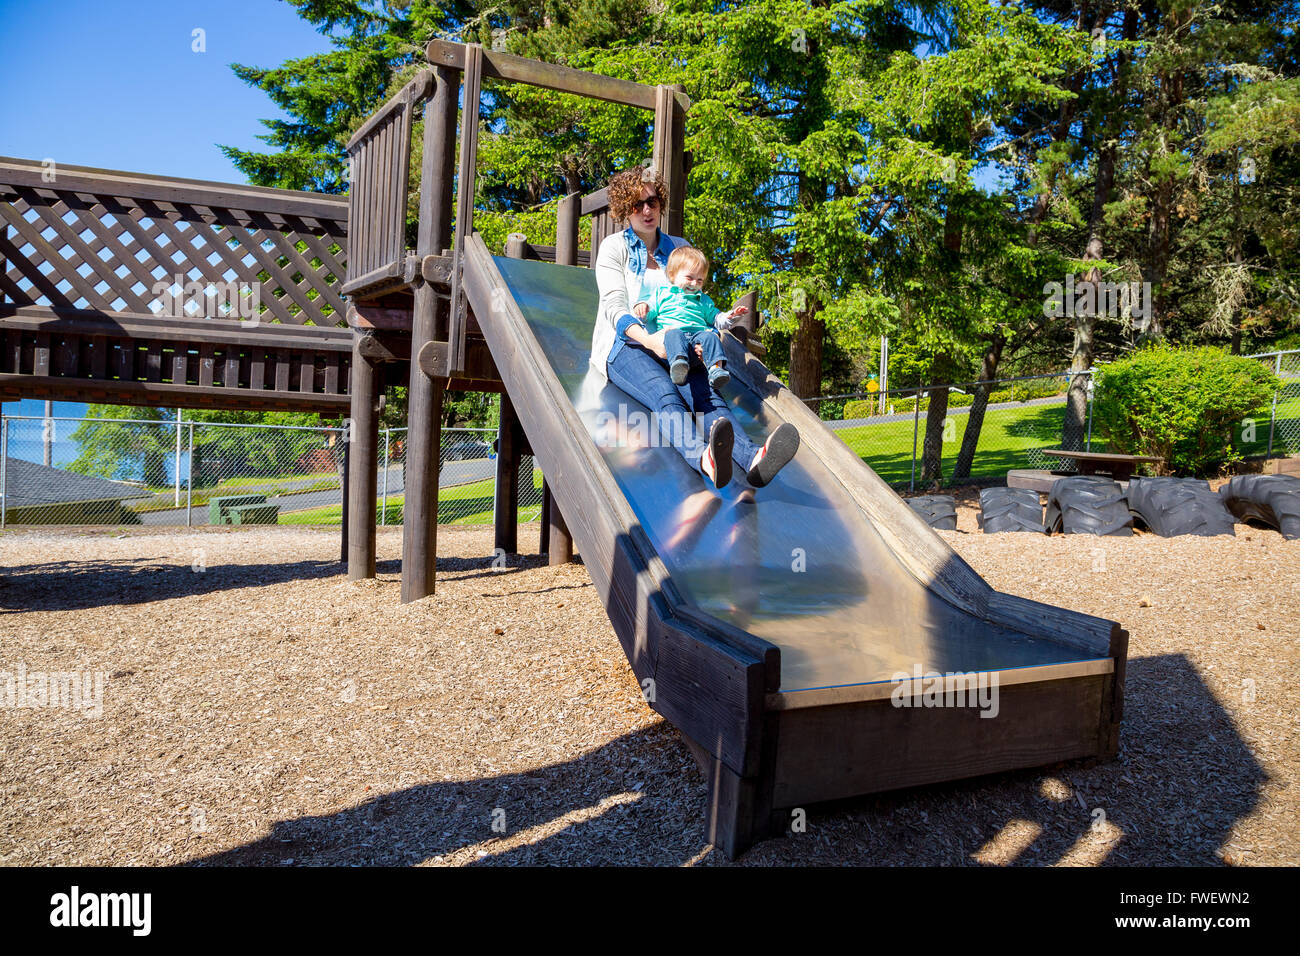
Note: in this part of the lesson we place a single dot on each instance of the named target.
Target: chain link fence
(1283, 436)
(466, 477)
(81, 471)
(1022, 417)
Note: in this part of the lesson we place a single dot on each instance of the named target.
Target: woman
(630, 264)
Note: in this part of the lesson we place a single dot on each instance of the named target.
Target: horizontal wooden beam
(595, 202)
(366, 315)
(436, 269)
(389, 274)
(434, 360)
(549, 76)
(177, 332)
(548, 254)
(420, 88)
(111, 182)
(384, 347)
(165, 394)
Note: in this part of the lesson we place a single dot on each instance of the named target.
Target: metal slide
(802, 566)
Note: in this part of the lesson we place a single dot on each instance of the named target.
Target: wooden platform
(118, 287)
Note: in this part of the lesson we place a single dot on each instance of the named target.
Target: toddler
(689, 317)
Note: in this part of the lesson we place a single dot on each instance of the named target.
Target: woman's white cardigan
(619, 285)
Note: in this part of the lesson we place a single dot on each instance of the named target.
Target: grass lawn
(1009, 435)
(265, 485)
(463, 504)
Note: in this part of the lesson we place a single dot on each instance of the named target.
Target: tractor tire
(1174, 506)
(939, 511)
(1010, 509)
(1273, 500)
(1088, 504)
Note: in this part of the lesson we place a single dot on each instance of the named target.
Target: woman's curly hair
(625, 190)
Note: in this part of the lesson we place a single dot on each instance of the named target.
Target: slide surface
(802, 566)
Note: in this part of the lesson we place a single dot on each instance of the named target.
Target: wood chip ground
(261, 709)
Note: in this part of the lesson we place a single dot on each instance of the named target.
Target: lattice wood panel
(97, 251)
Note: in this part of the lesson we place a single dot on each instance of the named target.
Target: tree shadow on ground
(1183, 780)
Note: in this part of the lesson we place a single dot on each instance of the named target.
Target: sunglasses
(652, 202)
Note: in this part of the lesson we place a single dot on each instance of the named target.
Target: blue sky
(117, 85)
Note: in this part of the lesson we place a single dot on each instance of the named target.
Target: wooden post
(749, 320)
(464, 204)
(506, 510)
(343, 517)
(556, 541)
(566, 230)
(739, 811)
(560, 550)
(424, 396)
(363, 465)
(516, 243)
(669, 158)
(544, 542)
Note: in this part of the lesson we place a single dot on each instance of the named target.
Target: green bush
(1184, 405)
(863, 408)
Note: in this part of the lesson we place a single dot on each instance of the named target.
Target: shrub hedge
(1182, 404)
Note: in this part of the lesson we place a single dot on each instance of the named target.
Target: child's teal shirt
(672, 307)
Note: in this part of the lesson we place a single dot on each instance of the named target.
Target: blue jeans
(644, 377)
(680, 343)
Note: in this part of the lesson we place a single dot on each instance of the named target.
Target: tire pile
(1096, 504)
(1273, 500)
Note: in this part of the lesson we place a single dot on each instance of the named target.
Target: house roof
(27, 483)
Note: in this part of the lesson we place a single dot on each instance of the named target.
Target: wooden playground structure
(448, 315)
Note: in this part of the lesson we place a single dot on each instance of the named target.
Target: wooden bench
(1119, 467)
(220, 509)
(255, 514)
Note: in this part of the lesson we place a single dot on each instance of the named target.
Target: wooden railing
(380, 157)
(106, 242)
(150, 290)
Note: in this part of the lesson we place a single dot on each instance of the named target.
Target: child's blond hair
(684, 257)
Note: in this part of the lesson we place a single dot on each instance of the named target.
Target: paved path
(453, 473)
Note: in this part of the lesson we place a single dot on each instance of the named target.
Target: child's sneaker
(679, 370)
(719, 376)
